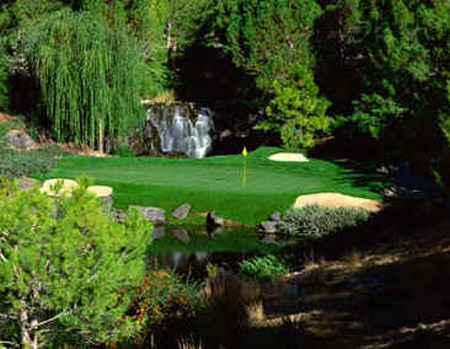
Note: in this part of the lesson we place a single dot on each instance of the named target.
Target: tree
(265, 37)
(89, 77)
(297, 111)
(62, 264)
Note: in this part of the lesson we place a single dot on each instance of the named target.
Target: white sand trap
(337, 200)
(68, 185)
(288, 157)
(100, 190)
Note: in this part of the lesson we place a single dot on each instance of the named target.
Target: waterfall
(181, 128)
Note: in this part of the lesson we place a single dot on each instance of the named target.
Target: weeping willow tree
(89, 77)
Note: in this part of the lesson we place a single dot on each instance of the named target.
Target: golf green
(215, 183)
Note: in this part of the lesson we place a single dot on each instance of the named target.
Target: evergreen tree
(62, 265)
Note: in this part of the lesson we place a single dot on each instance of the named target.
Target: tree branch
(7, 317)
(54, 318)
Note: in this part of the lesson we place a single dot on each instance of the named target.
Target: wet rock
(181, 211)
(154, 214)
(268, 227)
(275, 217)
(213, 221)
(181, 234)
(20, 140)
(158, 232)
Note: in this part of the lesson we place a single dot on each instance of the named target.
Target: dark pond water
(188, 249)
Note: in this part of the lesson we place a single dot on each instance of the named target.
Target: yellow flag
(244, 152)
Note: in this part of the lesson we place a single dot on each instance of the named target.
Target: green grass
(214, 183)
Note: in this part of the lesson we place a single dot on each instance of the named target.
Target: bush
(314, 221)
(36, 161)
(159, 297)
(263, 268)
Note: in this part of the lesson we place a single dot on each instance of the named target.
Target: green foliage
(35, 161)
(122, 151)
(264, 268)
(406, 50)
(265, 37)
(88, 75)
(314, 221)
(297, 111)
(63, 263)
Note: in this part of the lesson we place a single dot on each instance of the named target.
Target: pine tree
(62, 265)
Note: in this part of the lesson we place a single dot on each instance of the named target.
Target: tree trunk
(101, 132)
(28, 331)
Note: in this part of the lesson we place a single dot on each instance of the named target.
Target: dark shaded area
(339, 68)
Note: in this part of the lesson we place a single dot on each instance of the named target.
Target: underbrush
(315, 221)
(36, 161)
(264, 268)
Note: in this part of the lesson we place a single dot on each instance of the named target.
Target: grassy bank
(214, 183)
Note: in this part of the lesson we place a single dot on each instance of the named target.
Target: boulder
(20, 140)
(154, 214)
(275, 217)
(181, 211)
(181, 234)
(268, 227)
(213, 221)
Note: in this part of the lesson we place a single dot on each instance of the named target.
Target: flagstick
(244, 171)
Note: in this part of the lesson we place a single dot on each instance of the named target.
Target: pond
(188, 249)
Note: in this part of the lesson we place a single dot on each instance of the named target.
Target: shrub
(315, 221)
(159, 297)
(263, 268)
(36, 161)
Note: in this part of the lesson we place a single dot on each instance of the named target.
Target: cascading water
(181, 128)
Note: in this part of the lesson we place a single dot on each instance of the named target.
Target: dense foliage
(88, 75)
(383, 65)
(315, 221)
(62, 264)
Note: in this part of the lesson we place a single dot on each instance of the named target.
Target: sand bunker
(100, 190)
(66, 188)
(288, 157)
(338, 200)
(68, 185)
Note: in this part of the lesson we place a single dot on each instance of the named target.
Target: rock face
(181, 211)
(154, 214)
(20, 140)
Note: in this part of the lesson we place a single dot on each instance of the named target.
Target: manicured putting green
(215, 183)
